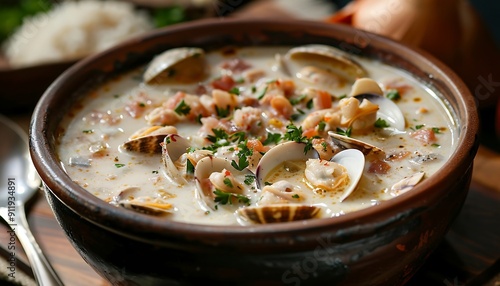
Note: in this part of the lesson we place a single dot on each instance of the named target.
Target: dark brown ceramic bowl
(380, 245)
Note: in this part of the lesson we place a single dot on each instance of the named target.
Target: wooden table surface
(469, 254)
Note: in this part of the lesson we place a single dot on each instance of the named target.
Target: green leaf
(381, 123)
(393, 94)
(182, 108)
(343, 132)
(272, 138)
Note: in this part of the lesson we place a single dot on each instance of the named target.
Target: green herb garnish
(343, 132)
(249, 179)
(88, 131)
(381, 123)
(235, 90)
(182, 108)
(226, 198)
(119, 165)
(272, 138)
(393, 94)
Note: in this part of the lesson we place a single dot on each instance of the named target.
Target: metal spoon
(20, 182)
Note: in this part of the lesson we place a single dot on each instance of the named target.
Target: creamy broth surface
(91, 145)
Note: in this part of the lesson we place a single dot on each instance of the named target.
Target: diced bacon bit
(135, 109)
(287, 86)
(225, 83)
(282, 106)
(235, 65)
(379, 167)
(310, 133)
(172, 102)
(256, 145)
(425, 136)
(322, 100)
(397, 156)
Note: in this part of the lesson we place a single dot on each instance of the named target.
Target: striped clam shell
(278, 213)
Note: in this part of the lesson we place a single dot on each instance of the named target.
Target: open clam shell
(181, 65)
(351, 143)
(407, 183)
(148, 140)
(367, 88)
(204, 188)
(328, 58)
(287, 151)
(278, 213)
(173, 147)
(129, 199)
(354, 161)
(147, 144)
(388, 110)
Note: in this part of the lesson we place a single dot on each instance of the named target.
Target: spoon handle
(43, 271)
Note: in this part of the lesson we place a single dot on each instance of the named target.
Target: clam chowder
(255, 135)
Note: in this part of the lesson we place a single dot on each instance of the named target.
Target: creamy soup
(255, 135)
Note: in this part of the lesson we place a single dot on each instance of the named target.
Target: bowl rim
(99, 212)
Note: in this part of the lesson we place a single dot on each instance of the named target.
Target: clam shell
(366, 85)
(329, 57)
(354, 161)
(149, 139)
(202, 172)
(173, 147)
(407, 183)
(150, 144)
(388, 110)
(152, 206)
(181, 65)
(278, 213)
(287, 151)
(148, 207)
(351, 143)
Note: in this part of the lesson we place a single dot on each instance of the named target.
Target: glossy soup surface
(247, 102)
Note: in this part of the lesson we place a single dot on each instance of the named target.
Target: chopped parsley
(343, 132)
(119, 165)
(272, 138)
(436, 145)
(235, 90)
(419, 126)
(228, 182)
(155, 172)
(393, 94)
(321, 126)
(226, 198)
(263, 93)
(88, 131)
(242, 162)
(295, 101)
(249, 179)
(189, 167)
(182, 108)
(342, 96)
(222, 112)
(309, 104)
(294, 133)
(436, 130)
(295, 196)
(381, 123)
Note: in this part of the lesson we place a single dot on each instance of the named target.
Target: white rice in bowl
(73, 30)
